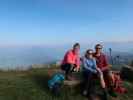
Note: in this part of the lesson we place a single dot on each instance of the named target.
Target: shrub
(131, 64)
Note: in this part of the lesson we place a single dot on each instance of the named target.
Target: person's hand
(76, 69)
(104, 69)
(99, 71)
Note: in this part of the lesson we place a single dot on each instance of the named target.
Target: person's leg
(87, 83)
(68, 70)
(107, 78)
(102, 81)
(92, 83)
(73, 66)
(109, 83)
(104, 89)
(105, 94)
(103, 85)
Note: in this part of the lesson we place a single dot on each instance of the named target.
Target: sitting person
(55, 83)
(102, 63)
(90, 70)
(71, 61)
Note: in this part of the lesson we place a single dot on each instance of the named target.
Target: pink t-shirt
(71, 58)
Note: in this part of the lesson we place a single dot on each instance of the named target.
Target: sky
(54, 22)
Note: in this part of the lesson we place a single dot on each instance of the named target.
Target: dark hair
(87, 52)
(98, 45)
(76, 44)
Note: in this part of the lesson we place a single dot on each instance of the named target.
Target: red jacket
(71, 58)
(101, 61)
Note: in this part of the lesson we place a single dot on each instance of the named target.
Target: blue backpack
(57, 78)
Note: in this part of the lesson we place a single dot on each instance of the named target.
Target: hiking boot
(112, 93)
(85, 93)
(94, 96)
(105, 95)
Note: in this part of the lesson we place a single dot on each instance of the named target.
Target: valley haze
(12, 57)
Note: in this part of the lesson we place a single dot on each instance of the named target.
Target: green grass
(32, 85)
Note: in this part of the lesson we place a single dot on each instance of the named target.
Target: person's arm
(87, 66)
(95, 65)
(77, 63)
(97, 69)
(102, 82)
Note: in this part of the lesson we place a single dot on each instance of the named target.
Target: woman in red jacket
(71, 61)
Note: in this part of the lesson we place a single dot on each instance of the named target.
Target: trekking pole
(110, 51)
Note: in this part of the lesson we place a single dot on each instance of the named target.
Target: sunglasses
(98, 48)
(77, 48)
(90, 53)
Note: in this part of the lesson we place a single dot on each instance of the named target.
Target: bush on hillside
(131, 64)
(127, 73)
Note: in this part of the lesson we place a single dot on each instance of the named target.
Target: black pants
(88, 81)
(68, 68)
(89, 84)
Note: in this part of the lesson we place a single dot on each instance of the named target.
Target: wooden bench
(72, 83)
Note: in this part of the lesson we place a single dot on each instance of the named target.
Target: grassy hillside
(32, 85)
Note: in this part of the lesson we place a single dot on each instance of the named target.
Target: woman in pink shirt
(71, 61)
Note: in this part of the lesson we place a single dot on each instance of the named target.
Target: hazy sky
(65, 21)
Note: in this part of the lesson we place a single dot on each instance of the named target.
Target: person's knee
(110, 75)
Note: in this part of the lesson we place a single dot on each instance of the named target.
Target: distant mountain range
(27, 55)
(120, 46)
